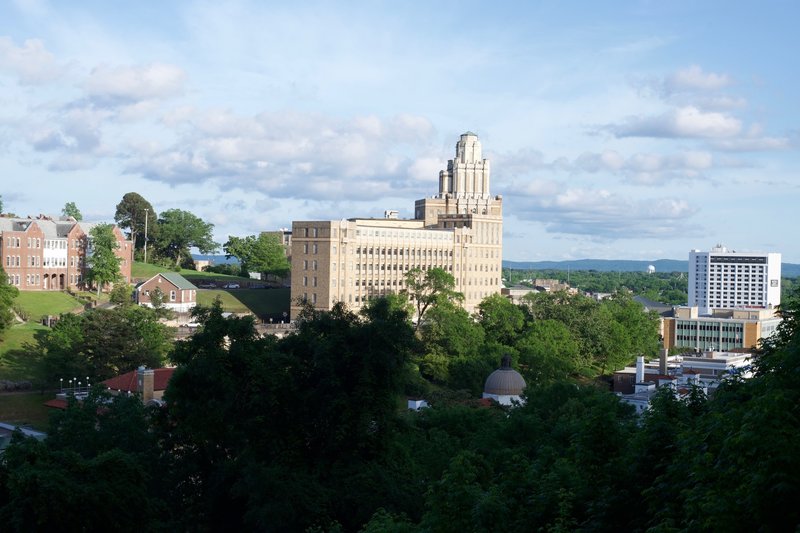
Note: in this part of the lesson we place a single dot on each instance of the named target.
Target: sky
(615, 130)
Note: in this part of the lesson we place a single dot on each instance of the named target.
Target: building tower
(459, 229)
(726, 279)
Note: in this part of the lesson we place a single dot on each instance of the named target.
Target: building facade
(722, 329)
(726, 279)
(50, 253)
(460, 230)
(177, 293)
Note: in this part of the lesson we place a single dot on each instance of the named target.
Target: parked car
(231, 286)
(207, 285)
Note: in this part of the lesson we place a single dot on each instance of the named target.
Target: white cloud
(135, 83)
(694, 78)
(31, 62)
(752, 144)
(293, 154)
(648, 168)
(601, 213)
(684, 122)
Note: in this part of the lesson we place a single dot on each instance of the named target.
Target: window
(172, 296)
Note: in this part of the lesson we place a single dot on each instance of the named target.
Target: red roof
(662, 376)
(127, 382)
(56, 403)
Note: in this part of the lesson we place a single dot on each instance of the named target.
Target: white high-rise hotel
(725, 279)
(460, 230)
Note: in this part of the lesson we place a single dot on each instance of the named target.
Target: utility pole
(146, 212)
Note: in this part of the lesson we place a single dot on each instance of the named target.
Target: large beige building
(460, 230)
(722, 329)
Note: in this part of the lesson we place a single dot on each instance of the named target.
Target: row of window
(36, 242)
(737, 268)
(49, 262)
(33, 280)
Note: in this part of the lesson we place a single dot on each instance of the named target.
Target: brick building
(49, 253)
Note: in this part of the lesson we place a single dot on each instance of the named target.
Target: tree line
(664, 287)
(169, 236)
(304, 433)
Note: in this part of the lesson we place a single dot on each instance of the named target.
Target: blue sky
(620, 130)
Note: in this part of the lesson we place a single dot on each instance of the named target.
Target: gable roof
(174, 278)
(127, 381)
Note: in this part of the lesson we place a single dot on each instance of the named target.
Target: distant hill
(788, 270)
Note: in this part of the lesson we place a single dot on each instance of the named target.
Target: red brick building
(49, 253)
(178, 293)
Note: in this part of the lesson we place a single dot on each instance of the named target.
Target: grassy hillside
(147, 270)
(25, 409)
(264, 303)
(38, 304)
(14, 364)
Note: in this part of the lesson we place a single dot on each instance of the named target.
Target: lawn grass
(16, 365)
(264, 303)
(146, 271)
(25, 409)
(41, 303)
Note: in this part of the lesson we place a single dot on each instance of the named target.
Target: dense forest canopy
(306, 433)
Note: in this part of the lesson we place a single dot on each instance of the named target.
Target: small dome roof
(505, 381)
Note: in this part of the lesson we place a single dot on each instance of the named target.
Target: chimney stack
(640, 369)
(662, 362)
(145, 378)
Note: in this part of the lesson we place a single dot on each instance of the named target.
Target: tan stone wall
(668, 325)
(752, 332)
(353, 260)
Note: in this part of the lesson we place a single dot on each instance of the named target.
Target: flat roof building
(726, 279)
(459, 230)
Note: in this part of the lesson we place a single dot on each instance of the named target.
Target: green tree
(102, 343)
(71, 210)
(121, 294)
(103, 261)
(133, 211)
(7, 294)
(548, 353)
(60, 351)
(500, 318)
(98, 468)
(331, 390)
(263, 253)
(178, 231)
(425, 287)
(449, 335)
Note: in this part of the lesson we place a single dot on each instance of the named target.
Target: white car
(231, 286)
